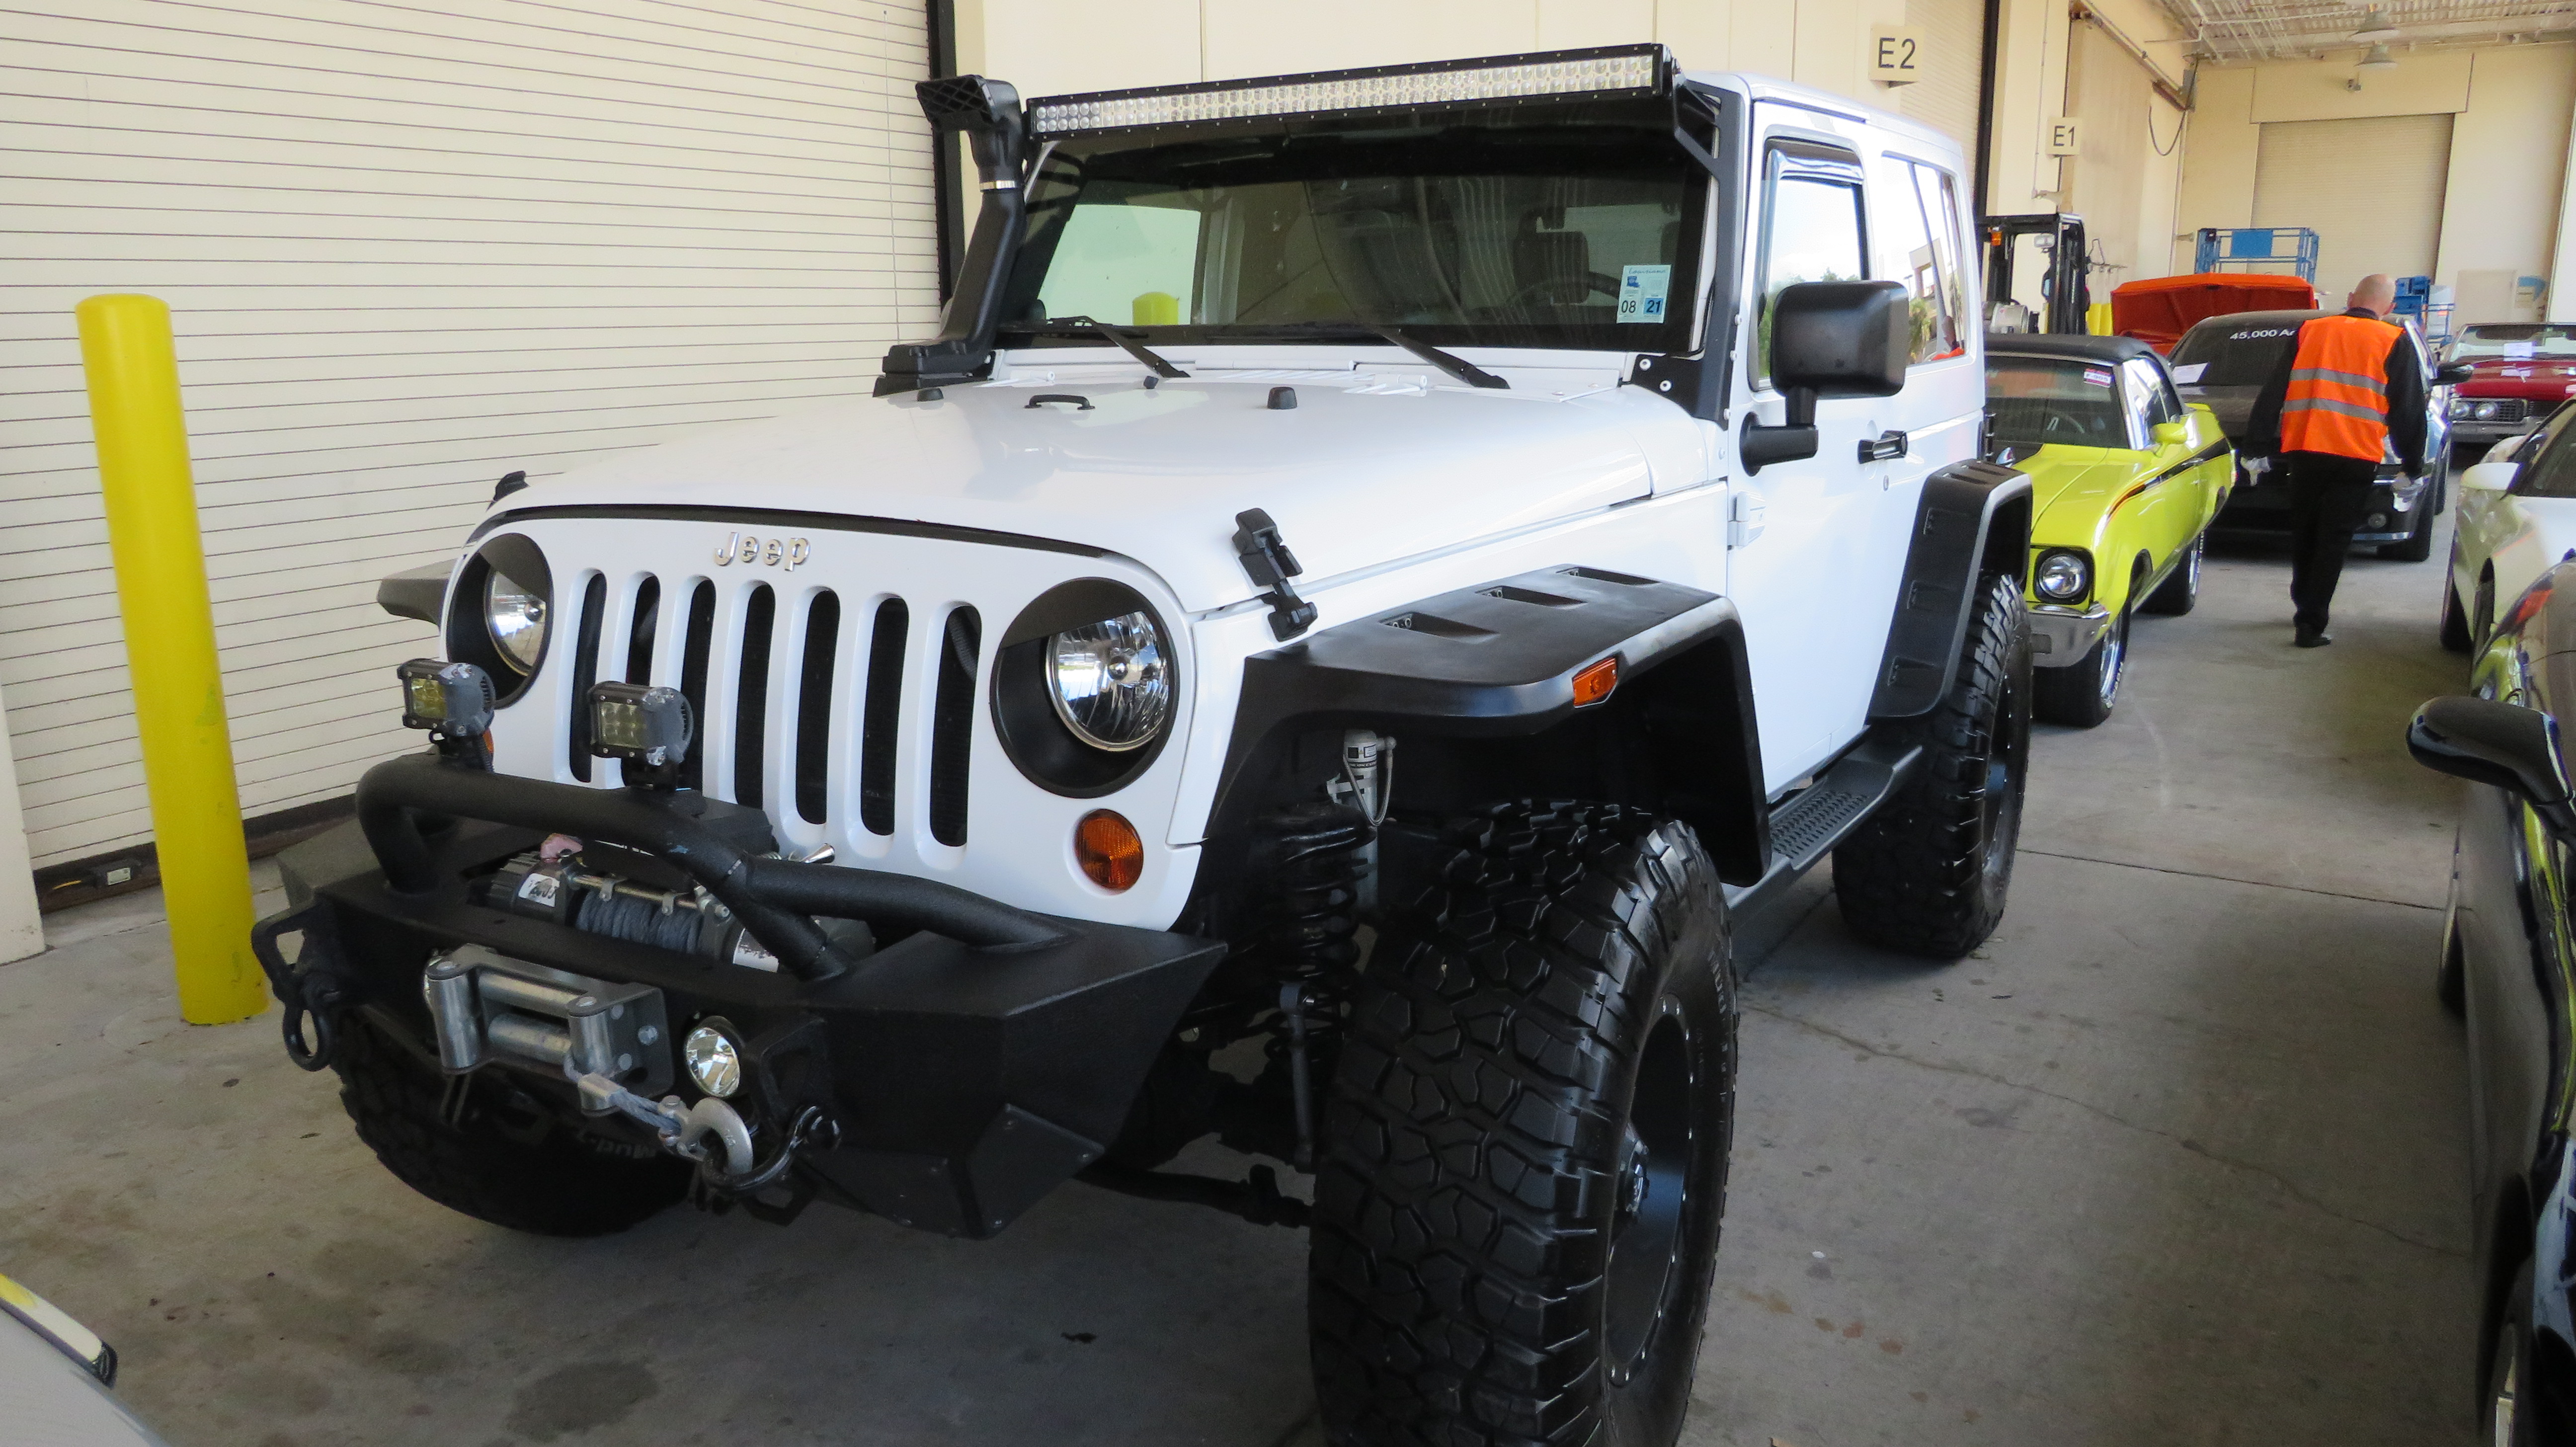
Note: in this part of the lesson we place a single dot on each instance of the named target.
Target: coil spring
(1313, 913)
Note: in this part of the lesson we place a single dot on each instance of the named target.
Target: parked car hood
(1363, 470)
(2537, 380)
(2073, 479)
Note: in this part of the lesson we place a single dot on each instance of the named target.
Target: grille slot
(751, 696)
(882, 727)
(694, 646)
(952, 723)
(814, 709)
(585, 672)
(639, 632)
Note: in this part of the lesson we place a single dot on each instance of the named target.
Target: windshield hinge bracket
(1267, 561)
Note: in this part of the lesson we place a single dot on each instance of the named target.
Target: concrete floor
(2175, 1159)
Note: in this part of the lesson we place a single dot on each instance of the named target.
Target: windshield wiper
(1086, 327)
(1456, 366)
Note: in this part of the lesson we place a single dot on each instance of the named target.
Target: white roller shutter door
(2384, 214)
(408, 251)
(1954, 37)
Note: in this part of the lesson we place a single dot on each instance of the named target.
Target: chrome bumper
(2060, 635)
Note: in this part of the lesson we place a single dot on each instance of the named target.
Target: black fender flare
(1974, 517)
(1497, 661)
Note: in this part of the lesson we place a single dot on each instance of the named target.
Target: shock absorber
(1310, 853)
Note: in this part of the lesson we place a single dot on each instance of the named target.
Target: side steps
(1806, 826)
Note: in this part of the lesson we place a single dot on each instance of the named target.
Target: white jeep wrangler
(1375, 570)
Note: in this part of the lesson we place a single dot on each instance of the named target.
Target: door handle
(1882, 447)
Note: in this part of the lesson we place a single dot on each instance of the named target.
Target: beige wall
(2508, 144)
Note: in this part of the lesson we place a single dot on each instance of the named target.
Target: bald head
(2377, 292)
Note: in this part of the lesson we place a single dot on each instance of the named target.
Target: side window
(2137, 399)
(1945, 239)
(1811, 231)
(2552, 471)
(1920, 249)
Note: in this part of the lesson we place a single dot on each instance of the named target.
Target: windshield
(2488, 342)
(2038, 402)
(1503, 233)
(2225, 353)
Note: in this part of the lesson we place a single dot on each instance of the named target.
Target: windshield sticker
(2519, 351)
(2189, 372)
(2097, 376)
(1641, 292)
(2258, 336)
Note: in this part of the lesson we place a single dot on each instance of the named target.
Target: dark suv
(2224, 361)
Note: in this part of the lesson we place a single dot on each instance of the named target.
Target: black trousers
(2329, 496)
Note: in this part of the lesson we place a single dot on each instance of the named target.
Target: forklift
(2060, 238)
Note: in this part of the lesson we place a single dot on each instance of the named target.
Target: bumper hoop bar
(774, 898)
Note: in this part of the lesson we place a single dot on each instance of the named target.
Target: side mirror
(2451, 374)
(2172, 434)
(1829, 339)
(2491, 476)
(2488, 742)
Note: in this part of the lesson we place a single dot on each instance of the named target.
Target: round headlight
(516, 614)
(1112, 681)
(714, 1062)
(2061, 576)
(2487, 410)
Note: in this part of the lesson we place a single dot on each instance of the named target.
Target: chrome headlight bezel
(2062, 575)
(1057, 745)
(473, 637)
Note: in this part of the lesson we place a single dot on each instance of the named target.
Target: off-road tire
(2083, 693)
(1928, 874)
(1558, 991)
(2180, 591)
(512, 1164)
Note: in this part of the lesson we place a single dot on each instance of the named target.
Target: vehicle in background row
(2124, 480)
(2158, 310)
(2517, 521)
(2224, 362)
(2508, 965)
(906, 804)
(2516, 373)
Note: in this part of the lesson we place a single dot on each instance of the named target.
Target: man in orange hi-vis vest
(2346, 396)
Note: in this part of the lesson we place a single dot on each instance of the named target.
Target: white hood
(1368, 468)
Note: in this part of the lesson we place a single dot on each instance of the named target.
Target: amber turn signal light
(1108, 849)
(1593, 681)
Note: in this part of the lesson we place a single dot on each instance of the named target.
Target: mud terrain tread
(544, 1179)
(1910, 879)
(1465, 1146)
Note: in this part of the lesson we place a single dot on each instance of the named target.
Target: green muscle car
(2124, 481)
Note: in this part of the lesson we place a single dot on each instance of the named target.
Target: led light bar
(1638, 70)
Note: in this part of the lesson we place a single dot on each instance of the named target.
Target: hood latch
(1267, 561)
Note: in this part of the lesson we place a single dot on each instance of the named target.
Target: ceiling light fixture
(2378, 59)
(2374, 27)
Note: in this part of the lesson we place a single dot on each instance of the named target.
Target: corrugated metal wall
(2303, 177)
(408, 250)
(1954, 41)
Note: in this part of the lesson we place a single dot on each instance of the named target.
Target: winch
(489, 1007)
(551, 884)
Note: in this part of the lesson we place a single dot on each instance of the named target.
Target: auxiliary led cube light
(1626, 70)
(453, 701)
(634, 724)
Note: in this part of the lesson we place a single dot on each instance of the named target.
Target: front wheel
(2180, 590)
(1516, 1216)
(2082, 694)
(2512, 1409)
(1928, 873)
(2455, 620)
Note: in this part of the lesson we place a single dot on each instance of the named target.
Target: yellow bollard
(170, 651)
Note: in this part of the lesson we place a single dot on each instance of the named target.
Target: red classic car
(2519, 373)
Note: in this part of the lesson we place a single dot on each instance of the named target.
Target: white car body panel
(1389, 480)
(2520, 538)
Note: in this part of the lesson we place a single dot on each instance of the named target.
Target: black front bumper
(2262, 506)
(966, 1076)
